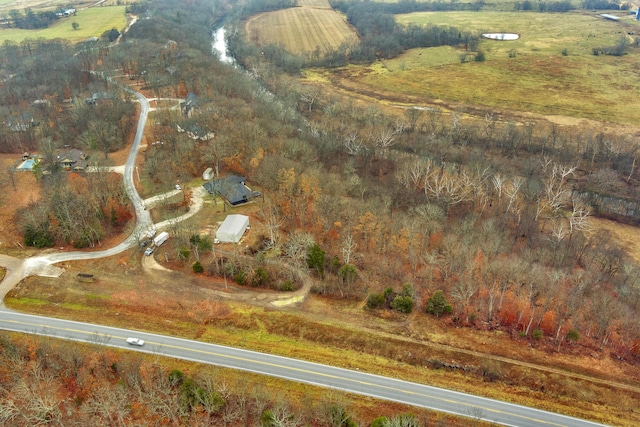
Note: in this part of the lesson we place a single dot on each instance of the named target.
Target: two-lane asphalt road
(296, 370)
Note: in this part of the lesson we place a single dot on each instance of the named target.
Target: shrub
(375, 301)
(260, 277)
(38, 237)
(380, 422)
(491, 370)
(348, 273)
(389, 295)
(573, 335)
(537, 334)
(316, 259)
(176, 378)
(203, 243)
(197, 267)
(480, 56)
(408, 291)
(287, 286)
(183, 253)
(402, 304)
(240, 278)
(438, 305)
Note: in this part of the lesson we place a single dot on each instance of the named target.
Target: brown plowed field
(301, 29)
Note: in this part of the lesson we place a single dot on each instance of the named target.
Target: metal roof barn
(232, 228)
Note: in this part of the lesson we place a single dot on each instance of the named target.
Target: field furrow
(300, 30)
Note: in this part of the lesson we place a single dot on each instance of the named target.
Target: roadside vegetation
(53, 382)
(457, 239)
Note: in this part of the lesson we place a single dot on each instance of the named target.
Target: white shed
(232, 228)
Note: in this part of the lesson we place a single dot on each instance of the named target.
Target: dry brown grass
(301, 30)
(19, 188)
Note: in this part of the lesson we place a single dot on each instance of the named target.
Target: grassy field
(93, 22)
(532, 74)
(301, 29)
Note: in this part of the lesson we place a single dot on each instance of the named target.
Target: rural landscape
(445, 193)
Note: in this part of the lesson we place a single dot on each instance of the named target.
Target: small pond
(501, 36)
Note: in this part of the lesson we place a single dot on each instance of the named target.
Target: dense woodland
(475, 221)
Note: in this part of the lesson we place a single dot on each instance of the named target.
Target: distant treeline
(382, 37)
(31, 20)
(552, 6)
(259, 6)
(406, 6)
(410, 6)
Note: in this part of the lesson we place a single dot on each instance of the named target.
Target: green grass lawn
(93, 22)
(536, 77)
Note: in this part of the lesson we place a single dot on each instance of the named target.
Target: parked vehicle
(148, 251)
(160, 238)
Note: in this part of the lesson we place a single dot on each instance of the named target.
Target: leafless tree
(349, 247)
(353, 144)
(272, 219)
(297, 245)
(309, 95)
(579, 219)
(412, 174)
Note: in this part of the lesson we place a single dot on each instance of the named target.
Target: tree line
(30, 20)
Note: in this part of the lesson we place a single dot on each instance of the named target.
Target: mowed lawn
(301, 30)
(536, 77)
(93, 22)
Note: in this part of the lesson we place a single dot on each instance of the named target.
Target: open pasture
(540, 33)
(531, 74)
(301, 30)
(93, 22)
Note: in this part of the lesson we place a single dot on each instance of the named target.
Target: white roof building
(232, 228)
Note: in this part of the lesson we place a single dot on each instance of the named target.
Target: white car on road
(135, 341)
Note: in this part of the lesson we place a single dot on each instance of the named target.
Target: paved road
(296, 370)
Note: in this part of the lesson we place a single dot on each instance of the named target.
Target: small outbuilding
(232, 228)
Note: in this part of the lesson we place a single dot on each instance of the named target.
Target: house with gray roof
(231, 188)
(73, 159)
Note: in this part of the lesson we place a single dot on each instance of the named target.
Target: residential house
(232, 189)
(189, 104)
(72, 159)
